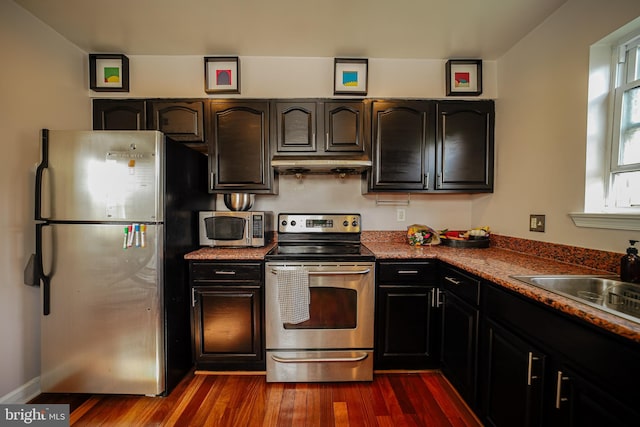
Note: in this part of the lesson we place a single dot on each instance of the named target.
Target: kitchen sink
(606, 293)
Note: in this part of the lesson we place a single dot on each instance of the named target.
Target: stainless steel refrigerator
(115, 213)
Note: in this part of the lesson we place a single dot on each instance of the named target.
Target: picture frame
(221, 74)
(350, 76)
(463, 77)
(108, 72)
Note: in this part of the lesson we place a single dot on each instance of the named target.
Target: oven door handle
(357, 358)
(334, 273)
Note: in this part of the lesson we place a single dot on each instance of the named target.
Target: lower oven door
(336, 342)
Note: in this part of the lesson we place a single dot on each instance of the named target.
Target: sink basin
(606, 293)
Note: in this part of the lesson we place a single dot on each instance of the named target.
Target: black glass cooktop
(334, 251)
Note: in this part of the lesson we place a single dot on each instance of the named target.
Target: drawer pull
(357, 358)
(452, 280)
(226, 273)
(407, 271)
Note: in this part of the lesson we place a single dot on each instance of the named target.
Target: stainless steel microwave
(235, 228)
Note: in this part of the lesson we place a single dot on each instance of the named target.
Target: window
(612, 181)
(624, 176)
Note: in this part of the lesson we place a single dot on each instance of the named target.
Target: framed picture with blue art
(350, 76)
(464, 77)
(108, 72)
(221, 74)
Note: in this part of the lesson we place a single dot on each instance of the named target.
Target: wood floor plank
(392, 399)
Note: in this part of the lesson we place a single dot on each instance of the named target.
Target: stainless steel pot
(238, 201)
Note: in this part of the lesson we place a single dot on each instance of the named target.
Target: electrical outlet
(536, 223)
(401, 215)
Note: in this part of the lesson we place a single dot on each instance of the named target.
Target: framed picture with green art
(108, 72)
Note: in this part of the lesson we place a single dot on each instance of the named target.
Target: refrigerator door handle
(42, 278)
(44, 164)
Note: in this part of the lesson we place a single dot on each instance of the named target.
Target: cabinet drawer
(462, 285)
(225, 272)
(406, 272)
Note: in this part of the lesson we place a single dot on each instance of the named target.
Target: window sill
(614, 221)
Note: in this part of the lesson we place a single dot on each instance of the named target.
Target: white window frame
(601, 132)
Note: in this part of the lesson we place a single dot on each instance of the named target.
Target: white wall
(42, 84)
(541, 127)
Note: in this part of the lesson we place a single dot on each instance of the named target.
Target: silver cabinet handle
(226, 273)
(357, 358)
(531, 377)
(193, 297)
(407, 271)
(452, 280)
(437, 298)
(559, 398)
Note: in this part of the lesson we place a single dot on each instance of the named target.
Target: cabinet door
(513, 385)
(458, 348)
(239, 146)
(227, 324)
(573, 401)
(405, 328)
(119, 114)
(464, 145)
(181, 121)
(344, 127)
(295, 127)
(401, 146)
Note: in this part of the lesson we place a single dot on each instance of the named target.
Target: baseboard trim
(22, 394)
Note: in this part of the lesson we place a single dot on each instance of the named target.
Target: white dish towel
(293, 294)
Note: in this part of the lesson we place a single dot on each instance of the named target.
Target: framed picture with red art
(464, 77)
(221, 74)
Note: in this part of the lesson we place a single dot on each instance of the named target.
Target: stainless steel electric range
(320, 295)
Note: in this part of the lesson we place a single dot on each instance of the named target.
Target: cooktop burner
(319, 236)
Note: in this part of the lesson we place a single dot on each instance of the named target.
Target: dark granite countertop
(493, 264)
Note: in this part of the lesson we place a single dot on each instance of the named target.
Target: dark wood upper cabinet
(239, 146)
(118, 114)
(344, 126)
(401, 146)
(464, 145)
(181, 121)
(318, 127)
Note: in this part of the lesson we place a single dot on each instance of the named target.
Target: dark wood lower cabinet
(458, 348)
(541, 368)
(227, 313)
(406, 316)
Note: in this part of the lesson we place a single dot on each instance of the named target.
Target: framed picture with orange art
(108, 72)
(464, 77)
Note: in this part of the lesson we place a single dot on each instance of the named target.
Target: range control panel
(318, 223)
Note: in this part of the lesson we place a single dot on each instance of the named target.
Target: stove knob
(284, 222)
(293, 223)
(345, 223)
(354, 223)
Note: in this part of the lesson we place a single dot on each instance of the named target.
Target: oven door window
(330, 308)
(225, 227)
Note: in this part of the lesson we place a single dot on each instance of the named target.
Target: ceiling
(433, 29)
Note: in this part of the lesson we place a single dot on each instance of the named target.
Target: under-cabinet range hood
(320, 165)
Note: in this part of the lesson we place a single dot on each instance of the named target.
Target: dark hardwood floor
(392, 399)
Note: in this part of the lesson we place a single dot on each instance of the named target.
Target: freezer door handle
(44, 164)
(42, 278)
